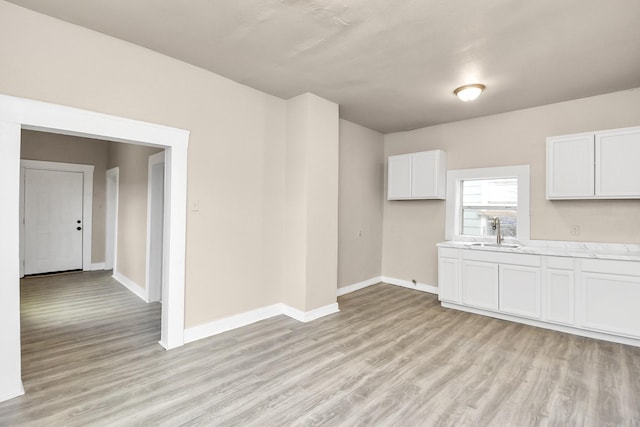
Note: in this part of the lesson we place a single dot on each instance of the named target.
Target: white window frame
(453, 222)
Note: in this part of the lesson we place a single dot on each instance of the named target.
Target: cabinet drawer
(448, 252)
(502, 257)
(629, 268)
(563, 263)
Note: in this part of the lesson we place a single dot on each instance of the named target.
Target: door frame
(19, 113)
(87, 203)
(153, 290)
(112, 194)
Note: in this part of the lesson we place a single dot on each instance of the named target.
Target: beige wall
(311, 203)
(360, 204)
(133, 164)
(412, 228)
(236, 147)
(70, 149)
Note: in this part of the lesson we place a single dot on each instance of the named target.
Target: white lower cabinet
(559, 290)
(503, 282)
(480, 284)
(611, 297)
(559, 287)
(520, 290)
(448, 275)
(599, 297)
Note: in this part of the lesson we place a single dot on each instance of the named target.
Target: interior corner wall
(295, 215)
(133, 164)
(360, 204)
(412, 228)
(52, 147)
(311, 208)
(235, 156)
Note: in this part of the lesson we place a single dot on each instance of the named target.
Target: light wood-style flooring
(391, 357)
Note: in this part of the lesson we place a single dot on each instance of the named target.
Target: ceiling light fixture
(469, 92)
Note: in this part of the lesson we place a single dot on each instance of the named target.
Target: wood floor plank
(391, 356)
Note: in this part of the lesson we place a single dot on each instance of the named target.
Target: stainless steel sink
(495, 245)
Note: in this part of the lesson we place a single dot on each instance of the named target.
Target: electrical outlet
(359, 233)
(575, 230)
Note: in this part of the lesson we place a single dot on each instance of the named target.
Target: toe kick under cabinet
(599, 298)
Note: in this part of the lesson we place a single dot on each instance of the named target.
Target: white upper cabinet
(618, 163)
(597, 165)
(399, 174)
(417, 176)
(570, 170)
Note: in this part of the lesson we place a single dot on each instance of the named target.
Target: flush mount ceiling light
(469, 92)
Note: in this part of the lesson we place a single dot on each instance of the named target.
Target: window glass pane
(490, 192)
(479, 222)
(485, 199)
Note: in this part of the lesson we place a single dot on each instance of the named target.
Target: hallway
(80, 334)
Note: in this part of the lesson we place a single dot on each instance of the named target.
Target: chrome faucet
(496, 226)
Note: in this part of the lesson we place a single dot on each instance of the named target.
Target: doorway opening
(17, 114)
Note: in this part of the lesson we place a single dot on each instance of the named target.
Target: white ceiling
(391, 65)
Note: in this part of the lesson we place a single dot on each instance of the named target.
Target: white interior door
(53, 221)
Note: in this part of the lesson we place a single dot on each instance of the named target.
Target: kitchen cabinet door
(559, 290)
(610, 303)
(570, 167)
(480, 284)
(448, 289)
(399, 177)
(616, 163)
(520, 290)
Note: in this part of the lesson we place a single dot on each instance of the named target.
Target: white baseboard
(16, 391)
(232, 322)
(408, 284)
(237, 321)
(360, 285)
(308, 316)
(97, 266)
(131, 285)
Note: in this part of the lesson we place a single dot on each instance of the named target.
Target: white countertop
(613, 251)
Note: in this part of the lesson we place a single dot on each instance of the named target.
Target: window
(486, 199)
(476, 196)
